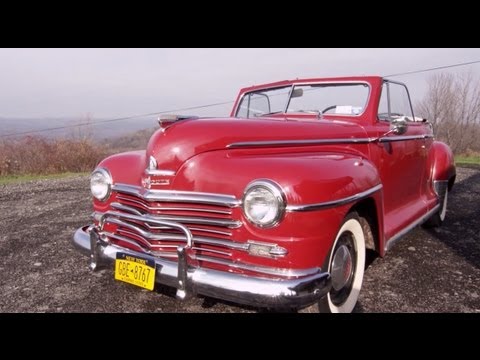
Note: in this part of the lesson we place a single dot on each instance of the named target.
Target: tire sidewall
(350, 224)
(442, 213)
(438, 218)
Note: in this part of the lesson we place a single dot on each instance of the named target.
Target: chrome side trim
(334, 203)
(178, 196)
(404, 138)
(284, 143)
(419, 221)
(278, 143)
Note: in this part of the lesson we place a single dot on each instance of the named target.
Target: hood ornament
(165, 120)
(152, 163)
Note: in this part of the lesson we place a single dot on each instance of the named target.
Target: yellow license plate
(135, 270)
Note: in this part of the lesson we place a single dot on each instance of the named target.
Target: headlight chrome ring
(101, 184)
(264, 203)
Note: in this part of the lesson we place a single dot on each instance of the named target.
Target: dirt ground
(427, 271)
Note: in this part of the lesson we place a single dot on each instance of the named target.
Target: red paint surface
(197, 150)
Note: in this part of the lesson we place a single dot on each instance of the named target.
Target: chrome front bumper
(189, 280)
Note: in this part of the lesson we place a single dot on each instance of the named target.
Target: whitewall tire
(346, 265)
(438, 218)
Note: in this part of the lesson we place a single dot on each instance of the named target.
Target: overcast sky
(121, 82)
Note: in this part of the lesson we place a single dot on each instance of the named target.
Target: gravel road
(427, 271)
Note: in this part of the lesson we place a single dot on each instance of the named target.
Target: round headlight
(101, 184)
(263, 203)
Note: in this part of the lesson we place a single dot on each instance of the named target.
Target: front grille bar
(176, 237)
(148, 208)
(179, 196)
(231, 224)
(159, 221)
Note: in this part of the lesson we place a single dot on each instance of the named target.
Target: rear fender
(441, 164)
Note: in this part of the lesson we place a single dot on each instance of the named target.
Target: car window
(324, 98)
(394, 102)
(263, 102)
(338, 99)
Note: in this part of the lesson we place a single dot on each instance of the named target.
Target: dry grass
(37, 155)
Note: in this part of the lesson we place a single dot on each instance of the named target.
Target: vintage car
(277, 205)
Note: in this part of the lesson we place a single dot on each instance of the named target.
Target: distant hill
(68, 127)
(137, 140)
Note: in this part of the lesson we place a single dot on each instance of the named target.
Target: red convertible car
(277, 205)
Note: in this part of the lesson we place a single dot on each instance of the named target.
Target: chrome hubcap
(342, 265)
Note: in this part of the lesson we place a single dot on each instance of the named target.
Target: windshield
(339, 99)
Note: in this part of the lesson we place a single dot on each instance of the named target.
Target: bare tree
(452, 105)
(83, 129)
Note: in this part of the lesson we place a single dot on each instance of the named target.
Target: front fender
(125, 168)
(305, 178)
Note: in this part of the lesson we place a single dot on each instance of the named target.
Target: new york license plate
(135, 270)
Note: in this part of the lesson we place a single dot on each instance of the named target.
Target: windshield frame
(308, 83)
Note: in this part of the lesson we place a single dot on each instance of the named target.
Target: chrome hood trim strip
(404, 138)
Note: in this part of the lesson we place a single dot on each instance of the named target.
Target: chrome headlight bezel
(103, 175)
(264, 188)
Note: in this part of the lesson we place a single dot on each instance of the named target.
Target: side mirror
(399, 126)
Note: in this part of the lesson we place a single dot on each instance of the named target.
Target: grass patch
(10, 179)
(468, 161)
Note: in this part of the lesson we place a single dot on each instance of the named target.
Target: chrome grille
(157, 222)
(207, 216)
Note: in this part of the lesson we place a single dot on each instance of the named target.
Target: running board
(404, 231)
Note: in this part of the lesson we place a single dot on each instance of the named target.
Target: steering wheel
(328, 108)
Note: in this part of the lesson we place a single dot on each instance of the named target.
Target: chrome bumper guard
(190, 280)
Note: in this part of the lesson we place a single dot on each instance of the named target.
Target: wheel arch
(367, 209)
(441, 163)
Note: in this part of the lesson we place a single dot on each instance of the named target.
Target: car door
(401, 159)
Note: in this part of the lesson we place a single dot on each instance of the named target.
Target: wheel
(346, 264)
(438, 218)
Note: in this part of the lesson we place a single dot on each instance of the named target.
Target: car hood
(172, 146)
